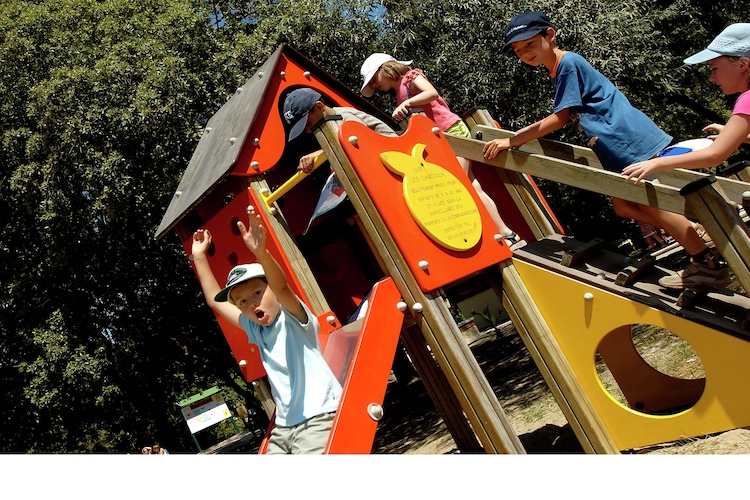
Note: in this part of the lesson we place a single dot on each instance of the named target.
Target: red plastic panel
(228, 251)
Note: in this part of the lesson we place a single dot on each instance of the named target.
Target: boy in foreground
(257, 299)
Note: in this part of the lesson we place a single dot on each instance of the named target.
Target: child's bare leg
(488, 202)
(676, 225)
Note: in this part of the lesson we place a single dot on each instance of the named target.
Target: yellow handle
(271, 198)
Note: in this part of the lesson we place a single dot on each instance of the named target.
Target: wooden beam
(574, 174)
(728, 231)
(300, 267)
(678, 177)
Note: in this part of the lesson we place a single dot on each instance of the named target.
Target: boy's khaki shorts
(306, 438)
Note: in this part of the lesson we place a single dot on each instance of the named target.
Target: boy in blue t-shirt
(617, 132)
(257, 299)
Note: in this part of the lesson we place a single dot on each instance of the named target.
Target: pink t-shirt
(436, 111)
(742, 106)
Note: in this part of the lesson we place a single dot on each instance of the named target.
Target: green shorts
(460, 129)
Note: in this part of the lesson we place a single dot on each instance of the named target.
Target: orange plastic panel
(369, 369)
(267, 138)
(386, 188)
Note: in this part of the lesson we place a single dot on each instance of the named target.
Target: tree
(101, 330)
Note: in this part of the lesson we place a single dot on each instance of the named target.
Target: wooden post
(526, 198)
(439, 390)
(263, 392)
(431, 315)
(431, 375)
(722, 221)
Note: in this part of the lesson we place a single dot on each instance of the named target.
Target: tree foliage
(102, 328)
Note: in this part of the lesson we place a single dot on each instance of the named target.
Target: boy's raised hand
(201, 242)
(254, 235)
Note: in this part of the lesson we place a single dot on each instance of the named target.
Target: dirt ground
(412, 425)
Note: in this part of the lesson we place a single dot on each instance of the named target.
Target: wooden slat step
(630, 273)
(576, 255)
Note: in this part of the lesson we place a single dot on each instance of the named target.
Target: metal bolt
(375, 411)
(255, 165)
(353, 139)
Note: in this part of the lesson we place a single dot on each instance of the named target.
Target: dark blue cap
(525, 26)
(297, 105)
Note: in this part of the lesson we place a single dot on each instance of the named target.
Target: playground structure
(413, 230)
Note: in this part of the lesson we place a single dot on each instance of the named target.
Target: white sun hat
(371, 65)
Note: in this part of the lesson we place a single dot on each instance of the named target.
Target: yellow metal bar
(271, 198)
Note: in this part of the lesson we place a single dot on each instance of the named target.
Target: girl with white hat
(412, 90)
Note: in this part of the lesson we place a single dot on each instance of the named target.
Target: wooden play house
(413, 229)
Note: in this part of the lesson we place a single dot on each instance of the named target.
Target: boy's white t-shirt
(302, 384)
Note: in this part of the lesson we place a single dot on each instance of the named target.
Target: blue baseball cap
(525, 26)
(297, 106)
(733, 41)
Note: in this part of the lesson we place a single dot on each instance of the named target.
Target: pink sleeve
(742, 106)
(411, 75)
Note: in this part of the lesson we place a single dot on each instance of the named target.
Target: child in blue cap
(614, 129)
(304, 107)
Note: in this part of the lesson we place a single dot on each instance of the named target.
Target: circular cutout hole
(650, 369)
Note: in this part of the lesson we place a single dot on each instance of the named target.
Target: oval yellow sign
(439, 203)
